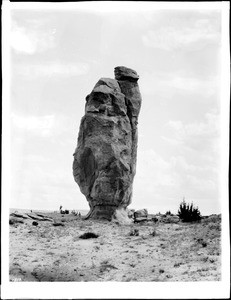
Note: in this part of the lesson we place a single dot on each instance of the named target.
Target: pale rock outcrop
(105, 157)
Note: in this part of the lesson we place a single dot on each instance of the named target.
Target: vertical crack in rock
(127, 80)
(105, 158)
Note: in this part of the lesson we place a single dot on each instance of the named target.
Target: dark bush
(204, 244)
(188, 213)
(88, 235)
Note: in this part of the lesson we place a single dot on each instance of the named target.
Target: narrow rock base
(100, 212)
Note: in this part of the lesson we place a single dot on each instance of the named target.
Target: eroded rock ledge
(105, 158)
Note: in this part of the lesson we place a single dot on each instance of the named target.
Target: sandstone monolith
(105, 158)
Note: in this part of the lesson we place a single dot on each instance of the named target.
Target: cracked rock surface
(105, 158)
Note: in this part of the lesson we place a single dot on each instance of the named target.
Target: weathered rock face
(105, 157)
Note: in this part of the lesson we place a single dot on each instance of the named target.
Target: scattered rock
(35, 223)
(35, 217)
(58, 224)
(170, 219)
(134, 232)
(39, 217)
(121, 217)
(140, 219)
(154, 219)
(13, 221)
(131, 213)
(153, 233)
(45, 218)
(105, 266)
(140, 215)
(105, 158)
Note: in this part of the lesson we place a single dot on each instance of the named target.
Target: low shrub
(204, 244)
(188, 213)
(89, 235)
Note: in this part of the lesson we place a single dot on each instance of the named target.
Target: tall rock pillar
(105, 158)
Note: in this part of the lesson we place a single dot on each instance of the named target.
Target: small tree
(188, 213)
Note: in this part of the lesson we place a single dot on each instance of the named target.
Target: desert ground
(52, 250)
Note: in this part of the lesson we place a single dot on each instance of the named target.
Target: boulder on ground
(44, 217)
(39, 217)
(141, 213)
(121, 217)
(17, 215)
(140, 219)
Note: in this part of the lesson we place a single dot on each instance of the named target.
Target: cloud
(44, 179)
(166, 181)
(159, 173)
(153, 173)
(191, 36)
(209, 128)
(181, 164)
(191, 167)
(59, 69)
(166, 84)
(31, 39)
(172, 141)
(39, 125)
(201, 138)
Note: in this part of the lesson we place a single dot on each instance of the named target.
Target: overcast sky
(57, 56)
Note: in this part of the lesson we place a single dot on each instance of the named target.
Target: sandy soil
(161, 252)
